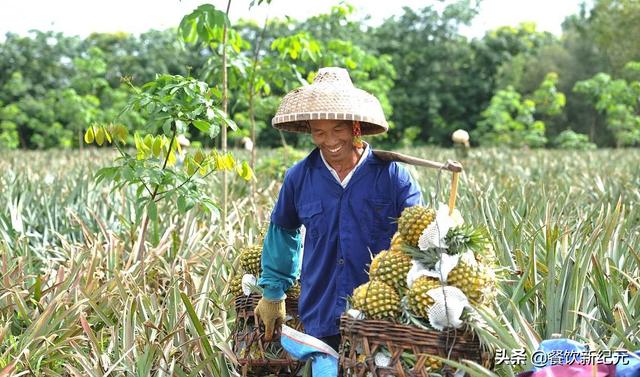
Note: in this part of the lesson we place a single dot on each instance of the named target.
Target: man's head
(333, 137)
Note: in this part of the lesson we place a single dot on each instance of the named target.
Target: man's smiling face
(334, 138)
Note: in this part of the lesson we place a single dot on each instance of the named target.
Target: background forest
(515, 86)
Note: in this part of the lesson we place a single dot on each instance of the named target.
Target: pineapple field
(76, 298)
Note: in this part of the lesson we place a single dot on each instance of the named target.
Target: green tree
(140, 58)
(513, 50)
(171, 105)
(568, 139)
(615, 25)
(509, 121)
(43, 60)
(549, 101)
(438, 86)
(617, 100)
(515, 120)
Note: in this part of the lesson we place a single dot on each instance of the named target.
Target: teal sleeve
(280, 261)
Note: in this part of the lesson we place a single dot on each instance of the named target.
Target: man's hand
(272, 314)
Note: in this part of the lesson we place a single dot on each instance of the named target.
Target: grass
(74, 301)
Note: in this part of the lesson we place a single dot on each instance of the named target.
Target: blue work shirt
(345, 227)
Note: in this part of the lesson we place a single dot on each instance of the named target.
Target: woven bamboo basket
(256, 356)
(362, 339)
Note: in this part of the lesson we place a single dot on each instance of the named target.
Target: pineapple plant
(391, 267)
(250, 259)
(413, 221)
(377, 300)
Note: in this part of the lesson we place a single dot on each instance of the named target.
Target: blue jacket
(344, 228)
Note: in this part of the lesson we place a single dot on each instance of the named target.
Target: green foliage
(288, 56)
(509, 121)
(275, 165)
(204, 24)
(205, 27)
(618, 101)
(564, 236)
(512, 50)
(440, 83)
(140, 57)
(173, 105)
(175, 100)
(300, 45)
(426, 74)
(47, 114)
(569, 139)
(547, 98)
(615, 26)
(8, 135)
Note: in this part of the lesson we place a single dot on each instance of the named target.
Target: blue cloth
(280, 261)
(344, 227)
(631, 368)
(561, 348)
(303, 347)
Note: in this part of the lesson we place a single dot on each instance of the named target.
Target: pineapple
(413, 221)
(419, 300)
(477, 282)
(433, 364)
(236, 285)
(391, 267)
(250, 259)
(396, 241)
(376, 300)
(294, 291)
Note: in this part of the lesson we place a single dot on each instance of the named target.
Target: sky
(82, 17)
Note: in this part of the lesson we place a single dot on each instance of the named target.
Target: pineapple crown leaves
(428, 258)
(466, 237)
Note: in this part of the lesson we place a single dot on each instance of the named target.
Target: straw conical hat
(331, 96)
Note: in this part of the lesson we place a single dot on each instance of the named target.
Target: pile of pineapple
(433, 257)
(245, 278)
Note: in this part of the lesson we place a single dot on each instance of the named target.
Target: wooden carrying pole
(454, 191)
(453, 166)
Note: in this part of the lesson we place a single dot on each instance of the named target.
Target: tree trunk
(252, 118)
(223, 135)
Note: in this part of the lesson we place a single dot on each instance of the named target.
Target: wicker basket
(249, 347)
(367, 337)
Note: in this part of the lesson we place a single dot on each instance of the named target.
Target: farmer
(461, 144)
(346, 197)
